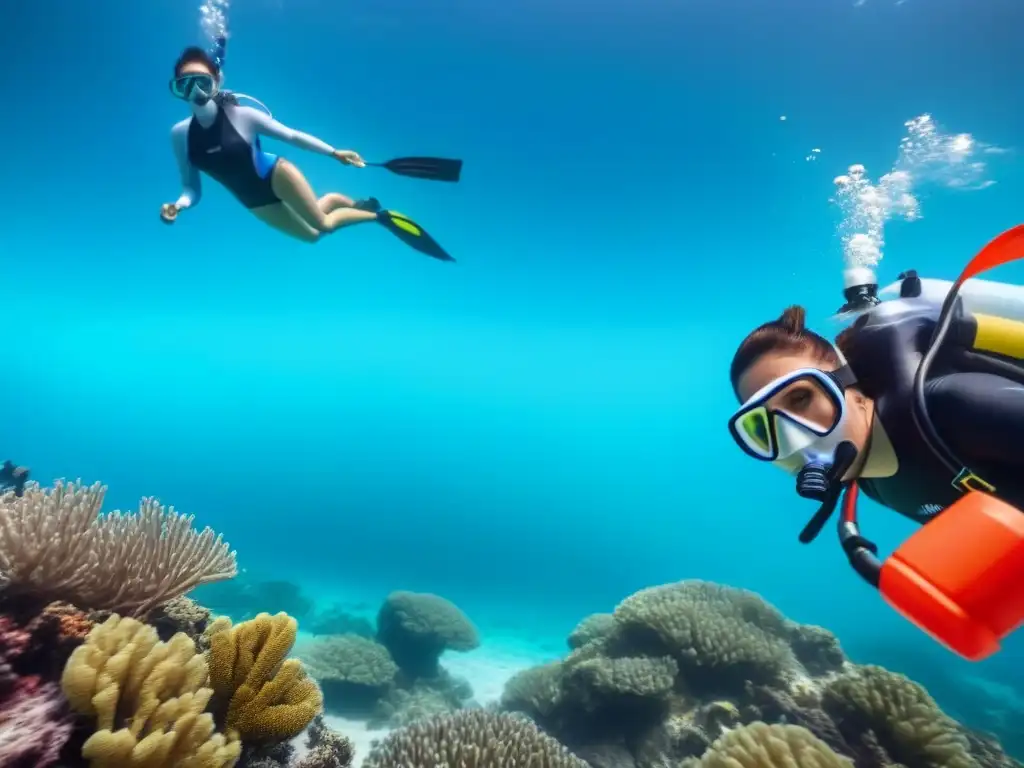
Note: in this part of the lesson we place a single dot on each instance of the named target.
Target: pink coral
(34, 721)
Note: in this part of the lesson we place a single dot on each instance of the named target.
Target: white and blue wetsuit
(223, 141)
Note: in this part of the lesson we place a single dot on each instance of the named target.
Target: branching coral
(418, 627)
(55, 545)
(268, 697)
(759, 745)
(911, 725)
(148, 699)
(471, 739)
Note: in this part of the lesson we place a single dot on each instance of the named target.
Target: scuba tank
(959, 577)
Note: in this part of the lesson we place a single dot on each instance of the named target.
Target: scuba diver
(222, 140)
(920, 405)
(13, 477)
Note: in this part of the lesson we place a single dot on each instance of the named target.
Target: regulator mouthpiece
(860, 289)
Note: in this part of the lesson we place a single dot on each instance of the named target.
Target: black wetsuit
(980, 415)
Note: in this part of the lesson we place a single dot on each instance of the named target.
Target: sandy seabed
(487, 669)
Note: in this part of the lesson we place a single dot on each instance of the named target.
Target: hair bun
(792, 320)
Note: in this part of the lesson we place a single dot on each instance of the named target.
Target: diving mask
(198, 87)
(794, 420)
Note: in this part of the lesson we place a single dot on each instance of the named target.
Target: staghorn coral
(268, 698)
(907, 720)
(727, 634)
(596, 626)
(760, 745)
(471, 739)
(55, 545)
(353, 672)
(418, 627)
(148, 699)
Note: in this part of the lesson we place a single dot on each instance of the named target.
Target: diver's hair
(192, 55)
(786, 334)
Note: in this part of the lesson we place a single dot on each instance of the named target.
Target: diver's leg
(332, 201)
(291, 186)
(283, 219)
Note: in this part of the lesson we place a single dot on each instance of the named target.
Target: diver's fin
(412, 234)
(432, 168)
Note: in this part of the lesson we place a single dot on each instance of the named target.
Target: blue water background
(538, 430)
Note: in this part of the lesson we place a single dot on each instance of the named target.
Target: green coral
(915, 730)
(471, 739)
(536, 691)
(350, 659)
(712, 628)
(639, 677)
(759, 745)
(418, 627)
(596, 626)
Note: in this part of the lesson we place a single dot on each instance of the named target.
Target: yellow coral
(154, 694)
(269, 698)
(759, 745)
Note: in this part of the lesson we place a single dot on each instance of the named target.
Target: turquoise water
(538, 430)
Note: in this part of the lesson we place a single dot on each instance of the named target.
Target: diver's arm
(191, 189)
(979, 415)
(254, 122)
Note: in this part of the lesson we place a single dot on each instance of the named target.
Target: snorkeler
(222, 140)
(13, 477)
(920, 404)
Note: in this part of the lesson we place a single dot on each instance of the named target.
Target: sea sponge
(596, 626)
(148, 698)
(471, 739)
(759, 745)
(268, 698)
(353, 671)
(911, 725)
(418, 627)
(729, 634)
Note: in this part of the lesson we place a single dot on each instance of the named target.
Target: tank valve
(860, 289)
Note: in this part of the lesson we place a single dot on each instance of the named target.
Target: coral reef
(56, 545)
(35, 722)
(269, 698)
(471, 739)
(353, 672)
(695, 673)
(148, 699)
(335, 620)
(418, 627)
(759, 745)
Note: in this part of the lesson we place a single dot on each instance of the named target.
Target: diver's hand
(348, 157)
(169, 213)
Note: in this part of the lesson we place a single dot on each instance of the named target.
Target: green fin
(412, 234)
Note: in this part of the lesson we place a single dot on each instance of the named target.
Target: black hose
(919, 404)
